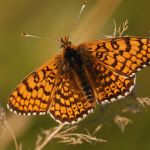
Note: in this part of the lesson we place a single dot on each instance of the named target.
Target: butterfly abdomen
(75, 62)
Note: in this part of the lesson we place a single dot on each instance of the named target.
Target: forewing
(33, 94)
(69, 105)
(124, 55)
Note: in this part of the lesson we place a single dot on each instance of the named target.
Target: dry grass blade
(67, 134)
(5, 126)
(97, 129)
(122, 122)
(41, 142)
(132, 108)
(143, 101)
(79, 138)
(122, 28)
(2, 118)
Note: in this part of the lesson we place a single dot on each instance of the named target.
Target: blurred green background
(47, 18)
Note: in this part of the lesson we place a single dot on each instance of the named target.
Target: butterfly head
(65, 42)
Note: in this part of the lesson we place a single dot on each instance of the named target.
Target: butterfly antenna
(78, 18)
(39, 37)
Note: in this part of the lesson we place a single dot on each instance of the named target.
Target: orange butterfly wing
(110, 86)
(69, 104)
(124, 55)
(33, 94)
(49, 90)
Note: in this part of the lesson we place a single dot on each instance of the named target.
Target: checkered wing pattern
(108, 65)
(33, 95)
(69, 104)
(47, 91)
(124, 55)
(110, 86)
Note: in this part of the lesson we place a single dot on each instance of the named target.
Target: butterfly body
(76, 65)
(69, 85)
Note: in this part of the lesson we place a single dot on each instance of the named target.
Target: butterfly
(68, 86)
